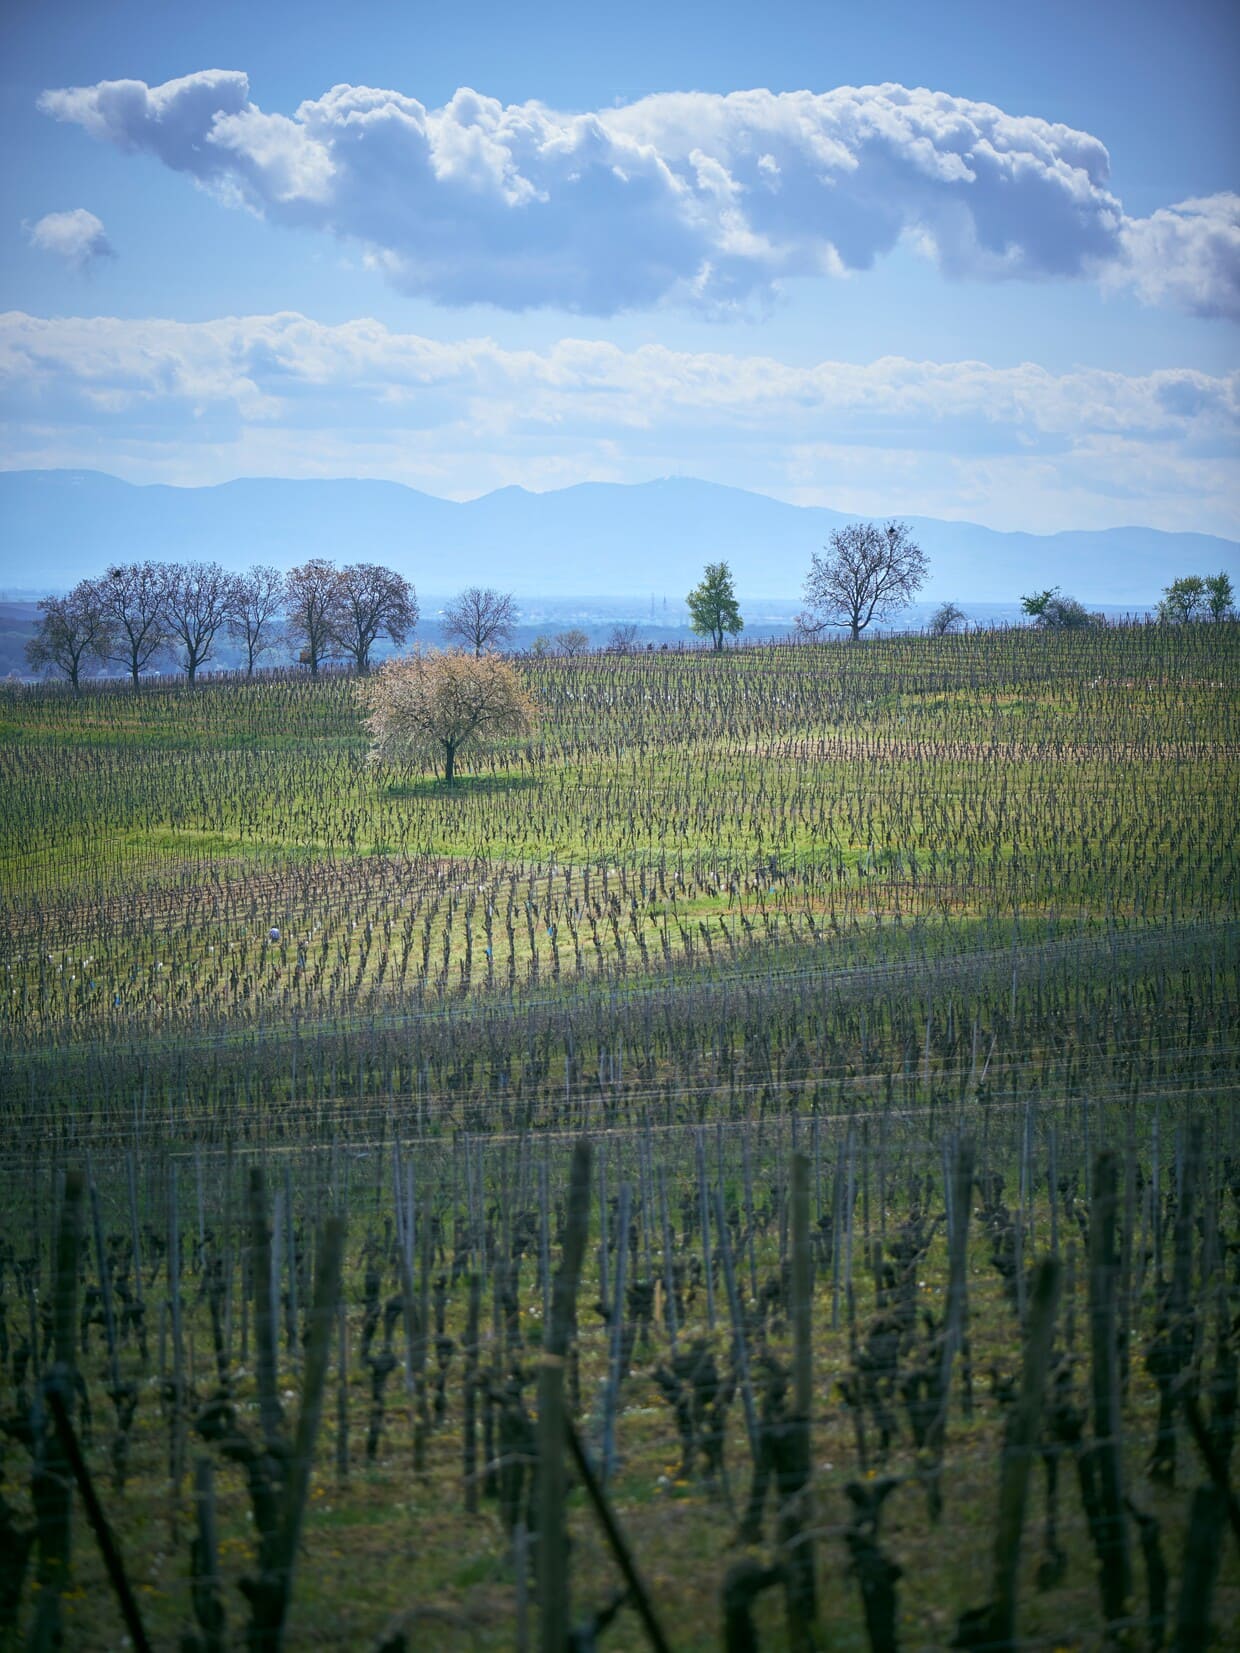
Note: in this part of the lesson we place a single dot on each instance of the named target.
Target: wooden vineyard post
(704, 1210)
(131, 1177)
(1020, 1447)
(1112, 1532)
(51, 1487)
(611, 1401)
(1202, 1548)
(669, 1264)
(314, 1382)
(553, 1593)
(264, 1308)
(176, 1439)
(342, 1391)
(205, 1588)
(469, 1465)
(740, 1348)
(795, 1529)
(959, 1184)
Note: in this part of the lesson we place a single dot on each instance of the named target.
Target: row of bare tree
(137, 613)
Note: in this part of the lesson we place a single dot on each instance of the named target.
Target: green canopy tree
(1219, 595)
(1183, 600)
(1050, 610)
(713, 610)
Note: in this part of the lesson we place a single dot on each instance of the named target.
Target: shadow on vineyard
(753, 1165)
(463, 787)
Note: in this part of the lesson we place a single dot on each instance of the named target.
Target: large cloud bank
(692, 197)
(195, 402)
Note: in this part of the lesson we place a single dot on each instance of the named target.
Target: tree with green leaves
(1050, 610)
(1219, 595)
(1183, 600)
(713, 610)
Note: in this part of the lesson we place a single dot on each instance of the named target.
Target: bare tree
(572, 642)
(623, 639)
(254, 611)
(372, 601)
(132, 602)
(433, 704)
(312, 592)
(869, 573)
(947, 617)
(72, 631)
(198, 598)
(479, 617)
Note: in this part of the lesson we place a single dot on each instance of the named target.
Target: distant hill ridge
(57, 526)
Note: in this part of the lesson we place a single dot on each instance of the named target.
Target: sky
(966, 261)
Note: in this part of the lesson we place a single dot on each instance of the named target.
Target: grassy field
(865, 903)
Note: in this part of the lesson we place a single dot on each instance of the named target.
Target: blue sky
(965, 261)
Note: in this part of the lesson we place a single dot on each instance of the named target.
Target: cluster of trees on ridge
(136, 612)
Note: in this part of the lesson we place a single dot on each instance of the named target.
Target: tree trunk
(449, 762)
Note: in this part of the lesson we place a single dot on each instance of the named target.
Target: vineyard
(753, 1164)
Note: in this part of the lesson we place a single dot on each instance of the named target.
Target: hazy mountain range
(624, 540)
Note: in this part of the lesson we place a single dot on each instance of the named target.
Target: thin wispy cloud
(78, 237)
(198, 401)
(691, 198)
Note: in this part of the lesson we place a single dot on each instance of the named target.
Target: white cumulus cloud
(1187, 255)
(695, 197)
(78, 237)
